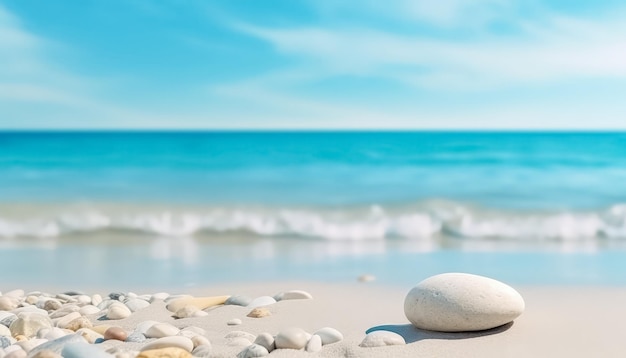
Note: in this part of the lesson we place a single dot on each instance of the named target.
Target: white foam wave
(367, 223)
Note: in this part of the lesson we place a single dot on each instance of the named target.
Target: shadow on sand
(412, 334)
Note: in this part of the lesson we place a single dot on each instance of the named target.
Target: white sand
(558, 322)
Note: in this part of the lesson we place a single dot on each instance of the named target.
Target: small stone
(96, 299)
(458, 302)
(83, 350)
(200, 302)
(136, 337)
(58, 344)
(89, 309)
(186, 311)
(65, 320)
(199, 340)
(253, 351)
(18, 353)
(165, 342)
(51, 333)
(266, 340)
(143, 326)
(46, 354)
(101, 328)
(234, 322)
(116, 296)
(238, 300)
(382, 338)
(314, 344)
(28, 345)
(202, 351)
(4, 330)
(262, 301)
(240, 334)
(329, 335)
(293, 295)
(161, 330)
(259, 312)
(64, 311)
(116, 333)
(136, 304)
(200, 314)
(118, 311)
(78, 323)
(171, 352)
(90, 335)
(30, 309)
(7, 303)
(83, 300)
(291, 338)
(29, 324)
(31, 300)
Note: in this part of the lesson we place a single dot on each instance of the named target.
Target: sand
(558, 322)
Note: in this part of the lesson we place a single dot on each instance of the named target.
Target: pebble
(7, 303)
(28, 324)
(314, 344)
(457, 302)
(293, 295)
(64, 311)
(4, 330)
(186, 312)
(118, 311)
(200, 302)
(58, 344)
(90, 335)
(136, 304)
(329, 335)
(96, 299)
(261, 301)
(83, 300)
(63, 321)
(171, 352)
(45, 354)
(78, 323)
(176, 341)
(234, 322)
(259, 312)
(117, 296)
(266, 340)
(238, 300)
(89, 309)
(136, 337)
(101, 328)
(199, 340)
(143, 326)
(202, 351)
(51, 333)
(382, 338)
(161, 330)
(116, 333)
(292, 338)
(83, 350)
(200, 314)
(253, 351)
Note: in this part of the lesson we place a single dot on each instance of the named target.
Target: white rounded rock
(329, 335)
(382, 338)
(457, 302)
(161, 330)
(291, 338)
(261, 301)
(253, 351)
(118, 311)
(314, 344)
(165, 342)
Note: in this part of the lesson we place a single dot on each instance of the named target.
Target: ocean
(193, 208)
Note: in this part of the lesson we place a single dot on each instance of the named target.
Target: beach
(558, 322)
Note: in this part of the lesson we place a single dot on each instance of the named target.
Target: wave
(375, 222)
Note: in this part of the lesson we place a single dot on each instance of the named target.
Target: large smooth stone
(166, 342)
(253, 351)
(266, 340)
(83, 350)
(329, 335)
(200, 302)
(238, 300)
(59, 344)
(118, 311)
(457, 302)
(202, 351)
(291, 338)
(28, 324)
(136, 304)
(382, 338)
(314, 344)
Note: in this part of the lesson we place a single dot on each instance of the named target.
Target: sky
(312, 64)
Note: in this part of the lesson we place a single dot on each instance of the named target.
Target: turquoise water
(532, 207)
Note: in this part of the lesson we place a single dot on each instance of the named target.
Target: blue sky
(419, 64)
